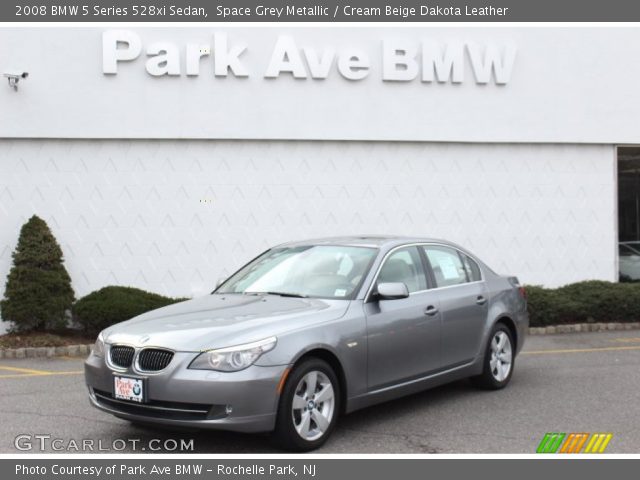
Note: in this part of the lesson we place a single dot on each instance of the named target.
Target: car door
(403, 334)
(463, 303)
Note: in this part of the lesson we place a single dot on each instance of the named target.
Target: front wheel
(309, 406)
(498, 360)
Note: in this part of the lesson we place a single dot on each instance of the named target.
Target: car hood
(218, 321)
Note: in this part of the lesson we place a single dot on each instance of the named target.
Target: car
(629, 261)
(311, 330)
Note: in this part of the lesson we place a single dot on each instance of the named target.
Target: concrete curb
(46, 352)
(583, 327)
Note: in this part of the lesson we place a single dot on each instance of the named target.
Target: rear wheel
(498, 361)
(309, 406)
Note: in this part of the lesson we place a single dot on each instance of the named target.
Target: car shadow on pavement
(204, 441)
(369, 421)
(406, 406)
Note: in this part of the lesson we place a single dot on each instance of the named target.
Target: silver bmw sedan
(311, 330)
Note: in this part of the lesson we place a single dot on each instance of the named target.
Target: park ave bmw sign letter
(426, 61)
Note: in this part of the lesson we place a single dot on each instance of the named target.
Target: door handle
(481, 300)
(430, 310)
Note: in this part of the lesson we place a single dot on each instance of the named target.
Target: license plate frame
(124, 387)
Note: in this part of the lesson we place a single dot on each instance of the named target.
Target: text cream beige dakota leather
(311, 330)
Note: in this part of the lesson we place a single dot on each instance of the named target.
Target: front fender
(344, 339)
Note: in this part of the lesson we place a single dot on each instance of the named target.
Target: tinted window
(404, 266)
(447, 266)
(471, 267)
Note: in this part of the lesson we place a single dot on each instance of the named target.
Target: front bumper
(244, 401)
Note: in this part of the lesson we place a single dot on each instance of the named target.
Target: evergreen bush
(38, 291)
(110, 305)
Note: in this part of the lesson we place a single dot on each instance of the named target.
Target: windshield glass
(324, 271)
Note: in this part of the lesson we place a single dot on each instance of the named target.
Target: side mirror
(392, 291)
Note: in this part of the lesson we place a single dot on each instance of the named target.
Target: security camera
(14, 78)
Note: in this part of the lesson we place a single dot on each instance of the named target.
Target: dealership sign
(401, 60)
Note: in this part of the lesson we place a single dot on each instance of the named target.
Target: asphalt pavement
(579, 382)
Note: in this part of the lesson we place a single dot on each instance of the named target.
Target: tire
(296, 428)
(497, 372)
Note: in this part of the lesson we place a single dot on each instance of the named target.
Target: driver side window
(405, 266)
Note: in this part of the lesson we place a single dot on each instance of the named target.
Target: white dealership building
(165, 158)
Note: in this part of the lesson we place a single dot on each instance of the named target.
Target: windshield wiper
(284, 294)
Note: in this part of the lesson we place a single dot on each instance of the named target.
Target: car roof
(371, 241)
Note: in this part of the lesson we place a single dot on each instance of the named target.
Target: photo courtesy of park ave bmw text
(330, 237)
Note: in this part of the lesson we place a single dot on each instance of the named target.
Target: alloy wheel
(501, 356)
(313, 405)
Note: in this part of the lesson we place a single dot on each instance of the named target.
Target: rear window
(447, 266)
(472, 268)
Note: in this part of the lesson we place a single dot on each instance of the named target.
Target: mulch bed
(42, 339)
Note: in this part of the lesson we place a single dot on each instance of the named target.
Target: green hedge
(584, 302)
(111, 305)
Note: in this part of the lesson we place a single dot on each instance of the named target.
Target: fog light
(228, 410)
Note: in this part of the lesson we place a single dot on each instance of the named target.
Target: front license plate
(127, 388)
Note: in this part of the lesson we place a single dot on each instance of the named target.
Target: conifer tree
(38, 290)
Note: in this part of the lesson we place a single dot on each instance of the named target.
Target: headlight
(232, 359)
(98, 347)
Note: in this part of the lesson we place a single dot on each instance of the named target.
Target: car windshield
(321, 271)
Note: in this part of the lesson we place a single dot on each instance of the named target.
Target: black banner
(315, 469)
(319, 11)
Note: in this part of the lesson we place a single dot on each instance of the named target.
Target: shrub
(110, 305)
(584, 302)
(541, 304)
(38, 290)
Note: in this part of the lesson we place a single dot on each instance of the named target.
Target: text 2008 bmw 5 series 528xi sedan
(311, 330)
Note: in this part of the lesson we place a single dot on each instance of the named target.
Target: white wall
(569, 85)
(173, 216)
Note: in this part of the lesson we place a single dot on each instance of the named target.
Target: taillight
(515, 283)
